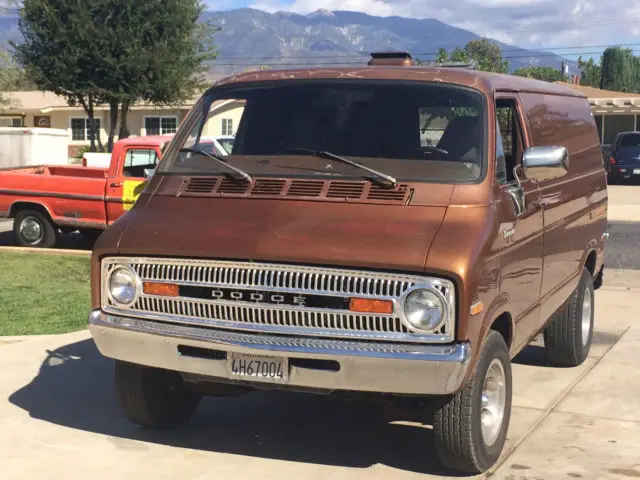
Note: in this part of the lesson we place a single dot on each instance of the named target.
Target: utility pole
(564, 72)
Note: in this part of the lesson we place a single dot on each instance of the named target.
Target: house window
(227, 126)
(160, 125)
(11, 122)
(80, 129)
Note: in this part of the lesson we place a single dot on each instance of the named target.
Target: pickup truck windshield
(408, 130)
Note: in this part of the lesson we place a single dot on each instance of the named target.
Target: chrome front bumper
(364, 366)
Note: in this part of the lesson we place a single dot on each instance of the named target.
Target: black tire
(457, 426)
(31, 228)
(91, 234)
(152, 397)
(563, 337)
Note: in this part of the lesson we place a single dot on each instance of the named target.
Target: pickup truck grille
(276, 298)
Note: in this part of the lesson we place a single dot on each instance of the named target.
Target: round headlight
(424, 309)
(123, 285)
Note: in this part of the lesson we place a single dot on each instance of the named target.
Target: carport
(614, 112)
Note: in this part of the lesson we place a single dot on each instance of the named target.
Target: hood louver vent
(268, 187)
(397, 195)
(201, 185)
(237, 187)
(305, 188)
(345, 190)
(336, 190)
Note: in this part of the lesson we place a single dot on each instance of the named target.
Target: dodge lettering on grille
(232, 295)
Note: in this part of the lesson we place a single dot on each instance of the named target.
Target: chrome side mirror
(148, 173)
(516, 192)
(545, 163)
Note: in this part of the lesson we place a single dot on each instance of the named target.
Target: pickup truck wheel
(152, 397)
(567, 339)
(33, 229)
(471, 428)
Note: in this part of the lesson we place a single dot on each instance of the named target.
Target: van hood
(394, 237)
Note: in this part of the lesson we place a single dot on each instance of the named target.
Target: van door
(520, 234)
(125, 187)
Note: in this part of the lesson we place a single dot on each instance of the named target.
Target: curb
(48, 251)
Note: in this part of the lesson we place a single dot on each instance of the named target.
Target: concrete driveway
(59, 416)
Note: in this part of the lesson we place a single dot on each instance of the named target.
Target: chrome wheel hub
(494, 397)
(31, 230)
(587, 306)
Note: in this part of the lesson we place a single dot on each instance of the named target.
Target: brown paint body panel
(367, 236)
(523, 266)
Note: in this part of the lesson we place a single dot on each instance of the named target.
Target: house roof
(45, 102)
(608, 101)
(592, 92)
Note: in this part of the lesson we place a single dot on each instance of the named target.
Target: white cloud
(526, 23)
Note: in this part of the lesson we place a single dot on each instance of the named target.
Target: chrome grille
(281, 318)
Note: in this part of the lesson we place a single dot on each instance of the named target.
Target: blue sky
(556, 24)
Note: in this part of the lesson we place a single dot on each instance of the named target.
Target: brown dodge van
(397, 230)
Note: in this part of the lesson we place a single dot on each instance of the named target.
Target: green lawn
(42, 294)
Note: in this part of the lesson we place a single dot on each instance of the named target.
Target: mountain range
(250, 38)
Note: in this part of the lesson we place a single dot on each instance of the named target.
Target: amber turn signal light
(160, 289)
(367, 305)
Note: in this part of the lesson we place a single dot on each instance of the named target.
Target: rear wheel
(33, 229)
(567, 339)
(471, 428)
(152, 397)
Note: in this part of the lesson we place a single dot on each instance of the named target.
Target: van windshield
(409, 130)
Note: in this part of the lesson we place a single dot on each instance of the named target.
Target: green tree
(547, 74)
(487, 56)
(590, 72)
(56, 54)
(116, 52)
(617, 70)
(165, 47)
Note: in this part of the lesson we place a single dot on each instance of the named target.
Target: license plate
(258, 368)
(636, 171)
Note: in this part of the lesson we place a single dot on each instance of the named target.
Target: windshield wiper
(388, 179)
(241, 173)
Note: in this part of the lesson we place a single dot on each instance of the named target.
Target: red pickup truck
(47, 200)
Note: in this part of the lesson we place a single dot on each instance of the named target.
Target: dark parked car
(624, 162)
(606, 156)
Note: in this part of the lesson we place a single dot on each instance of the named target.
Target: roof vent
(403, 59)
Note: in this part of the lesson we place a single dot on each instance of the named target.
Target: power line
(426, 54)
(338, 63)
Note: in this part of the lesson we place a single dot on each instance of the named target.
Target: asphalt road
(622, 248)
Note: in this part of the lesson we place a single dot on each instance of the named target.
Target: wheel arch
(590, 260)
(503, 324)
(19, 205)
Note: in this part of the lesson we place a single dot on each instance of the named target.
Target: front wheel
(34, 229)
(152, 397)
(470, 430)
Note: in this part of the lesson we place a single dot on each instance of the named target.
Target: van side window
(501, 167)
(511, 133)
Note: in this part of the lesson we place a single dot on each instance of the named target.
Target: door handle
(116, 184)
